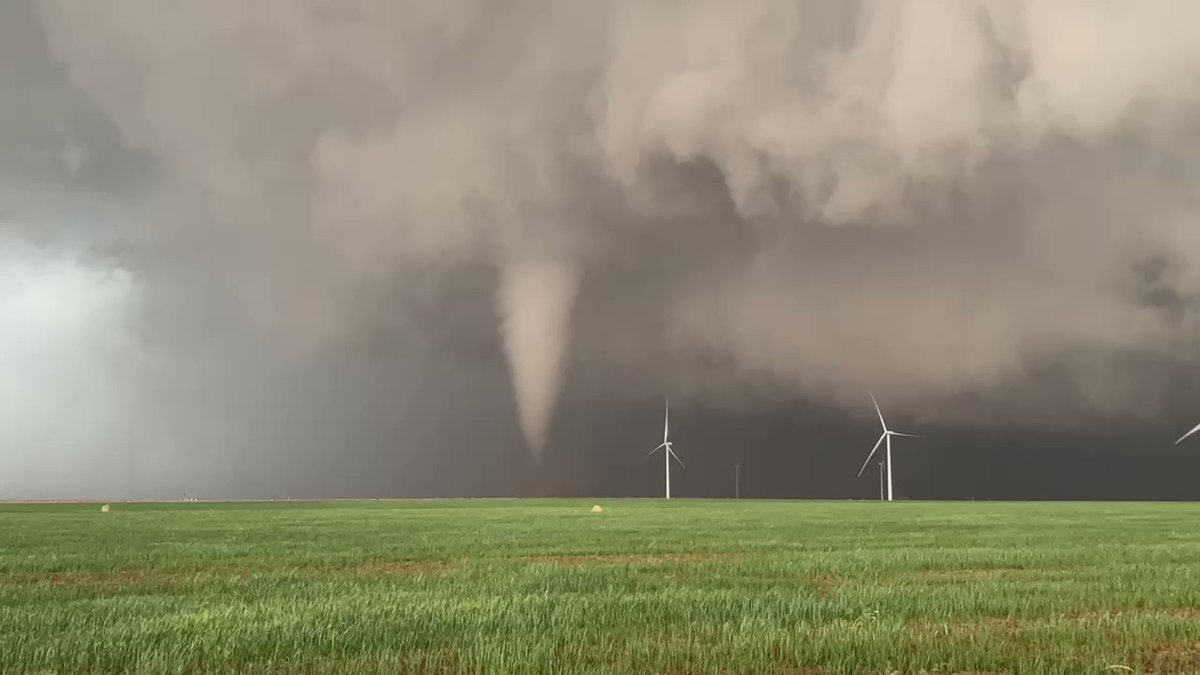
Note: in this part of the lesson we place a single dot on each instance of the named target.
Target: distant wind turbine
(881, 486)
(887, 436)
(1194, 430)
(666, 446)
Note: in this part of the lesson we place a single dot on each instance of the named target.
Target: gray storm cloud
(958, 203)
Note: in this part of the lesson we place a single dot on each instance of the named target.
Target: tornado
(535, 301)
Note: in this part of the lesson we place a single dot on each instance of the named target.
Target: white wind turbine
(666, 446)
(887, 436)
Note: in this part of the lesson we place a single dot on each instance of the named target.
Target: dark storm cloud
(984, 210)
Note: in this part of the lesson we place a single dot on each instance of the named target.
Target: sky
(307, 248)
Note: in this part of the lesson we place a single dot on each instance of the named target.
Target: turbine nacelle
(669, 447)
(876, 448)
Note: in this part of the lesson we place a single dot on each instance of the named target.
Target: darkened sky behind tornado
(337, 249)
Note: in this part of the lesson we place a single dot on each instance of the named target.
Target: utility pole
(737, 480)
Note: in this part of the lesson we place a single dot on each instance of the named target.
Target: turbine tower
(887, 436)
(666, 447)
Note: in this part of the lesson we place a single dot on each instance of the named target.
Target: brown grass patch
(614, 559)
(986, 625)
(399, 568)
(978, 573)
(823, 586)
(1171, 658)
(955, 673)
(92, 578)
(784, 671)
(119, 578)
(1101, 615)
(1011, 626)
(150, 577)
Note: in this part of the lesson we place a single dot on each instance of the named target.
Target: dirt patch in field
(1100, 616)
(823, 586)
(1171, 658)
(614, 559)
(124, 578)
(979, 573)
(821, 671)
(90, 578)
(1011, 626)
(782, 671)
(968, 627)
(936, 672)
(405, 568)
(143, 577)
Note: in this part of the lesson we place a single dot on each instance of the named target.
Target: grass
(546, 586)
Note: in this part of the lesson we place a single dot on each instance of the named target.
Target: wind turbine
(1194, 430)
(887, 436)
(666, 446)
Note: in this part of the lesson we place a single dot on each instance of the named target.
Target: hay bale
(597, 509)
(104, 509)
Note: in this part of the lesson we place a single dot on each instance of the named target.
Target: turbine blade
(666, 420)
(676, 457)
(877, 411)
(872, 454)
(897, 433)
(1194, 430)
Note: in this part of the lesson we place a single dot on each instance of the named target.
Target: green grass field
(528, 586)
